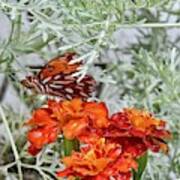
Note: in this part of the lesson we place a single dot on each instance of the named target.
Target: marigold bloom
(98, 161)
(78, 118)
(42, 117)
(138, 126)
(132, 145)
(38, 137)
(74, 118)
(45, 130)
(98, 113)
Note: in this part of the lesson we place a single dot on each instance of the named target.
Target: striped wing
(67, 87)
(56, 79)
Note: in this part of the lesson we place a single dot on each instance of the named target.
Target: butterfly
(56, 79)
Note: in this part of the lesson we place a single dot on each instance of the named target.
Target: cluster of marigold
(111, 144)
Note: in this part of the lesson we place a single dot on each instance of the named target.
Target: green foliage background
(144, 72)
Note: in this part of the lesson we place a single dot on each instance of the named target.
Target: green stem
(18, 28)
(142, 162)
(70, 145)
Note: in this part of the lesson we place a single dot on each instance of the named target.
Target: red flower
(133, 145)
(140, 128)
(99, 161)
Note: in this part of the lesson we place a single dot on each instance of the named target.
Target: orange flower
(65, 111)
(41, 117)
(38, 137)
(78, 118)
(98, 113)
(140, 126)
(74, 118)
(98, 161)
(45, 130)
(142, 120)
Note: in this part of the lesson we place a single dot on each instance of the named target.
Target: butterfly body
(56, 79)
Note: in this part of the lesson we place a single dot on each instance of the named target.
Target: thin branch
(13, 145)
(40, 170)
(3, 88)
(149, 25)
(7, 166)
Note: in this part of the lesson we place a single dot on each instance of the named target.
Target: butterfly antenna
(35, 66)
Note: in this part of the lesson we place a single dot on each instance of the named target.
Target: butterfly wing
(67, 87)
(56, 79)
(59, 65)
